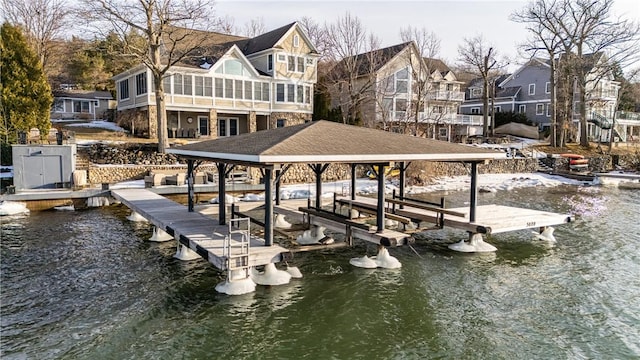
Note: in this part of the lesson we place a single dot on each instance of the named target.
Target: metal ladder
(242, 241)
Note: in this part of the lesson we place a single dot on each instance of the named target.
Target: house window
(270, 62)
(547, 88)
(300, 94)
(238, 92)
(291, 93)
(307, 94)
(177, 84)
(402, 79)
(292, 63)
(548, 110)
(80, 106)
(442, 132)
(282, 58)
(166, 82)
(449, 87)
(522, 109)
(280, 92)
(58, 105)
(497, 109)
(199, 84)
(300, 64)
(309, 62)
(247, 90)
(476, 92)
(233, 67)
(219, 88)
(296, 41)
(265, 91)
(228, 88)
(188, 84)
(475, 110)
(539, 109)
(124, 89)
(280, 123)
(532, 89)
(141, 84)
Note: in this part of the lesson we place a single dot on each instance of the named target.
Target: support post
(380, 209)
(403, 168)
(222, 214)
(473, 197)
(190, 190)
(268, 207)
(278, 175)
(318, 186)
(353, 181)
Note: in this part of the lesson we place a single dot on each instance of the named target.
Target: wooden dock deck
(490, 219)
(200, 233)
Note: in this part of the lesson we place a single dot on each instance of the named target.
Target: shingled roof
(370, 62)
(264, 41)
(329, 142)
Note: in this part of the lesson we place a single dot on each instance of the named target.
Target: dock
(490, 219)
(202, 234)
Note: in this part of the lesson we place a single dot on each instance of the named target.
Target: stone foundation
(113, 174)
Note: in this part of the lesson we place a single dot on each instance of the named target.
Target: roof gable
(264, 41)
(234, 53)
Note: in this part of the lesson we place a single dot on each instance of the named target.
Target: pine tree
(25, 93)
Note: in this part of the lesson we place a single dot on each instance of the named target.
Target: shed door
(40, 172)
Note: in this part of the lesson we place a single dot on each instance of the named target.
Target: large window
(80, 106)
(280, 92)
(177, 84)
(141, 83)
(238, 92)
(247, 90)
(295, 63)
(124, 89)
(300, 94)
(58, 105)
(228, 88)
(219, 88)
(402, 81)
(291, 93)
(203, 86)
(539, 109)
(166, 81)
(227, 126)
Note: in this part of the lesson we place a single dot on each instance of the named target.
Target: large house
(401, 91)
(528, 91)
(236, 85)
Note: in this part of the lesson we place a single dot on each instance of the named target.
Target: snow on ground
(100, 124)
(6, 171)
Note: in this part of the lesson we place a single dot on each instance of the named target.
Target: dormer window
(296, 40)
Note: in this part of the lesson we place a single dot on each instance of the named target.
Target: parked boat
(619, 179)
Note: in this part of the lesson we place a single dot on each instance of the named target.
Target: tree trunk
(584, 141)
(553, 137)
(485, 112)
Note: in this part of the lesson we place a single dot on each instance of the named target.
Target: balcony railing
(626, 115)
(603, 94)
(446, 95)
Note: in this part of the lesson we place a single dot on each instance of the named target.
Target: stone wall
(421, 172)
(291, 118)
(117, 173)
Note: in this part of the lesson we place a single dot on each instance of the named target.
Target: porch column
(213, 123)
(278, 173)
(268, 207)
(252, 125)
(190, 190)
(353, 181)
(403, 169)
(222, 206)
(380, 209)
(473, 196)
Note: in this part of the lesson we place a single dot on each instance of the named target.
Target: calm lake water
(86, 285)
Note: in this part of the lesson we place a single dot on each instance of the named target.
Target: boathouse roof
(329, 142)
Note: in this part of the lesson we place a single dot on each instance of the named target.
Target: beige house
(402, 92)
(238, 85)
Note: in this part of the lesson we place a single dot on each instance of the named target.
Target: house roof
(436, 64)
(372, 61)
(329, 142)
(508, 91)
(264, 41)
(83, 94)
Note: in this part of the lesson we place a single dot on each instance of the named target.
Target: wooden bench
(335, 217)
(425, 207)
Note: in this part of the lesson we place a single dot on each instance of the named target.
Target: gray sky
(450, 20)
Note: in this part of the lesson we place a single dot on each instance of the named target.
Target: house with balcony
(402, 92)
(233, 85)
(528, 91)
(82, 105)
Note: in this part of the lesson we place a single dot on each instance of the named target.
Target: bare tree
(43, 22)
(226, 25)
(541, 19)
(428, 46)
(167, 34)
(317, 35)
(254, 27)
(482, 58)
(352, 79)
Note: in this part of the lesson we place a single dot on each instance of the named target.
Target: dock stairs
(238, 238)
(543, 167)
